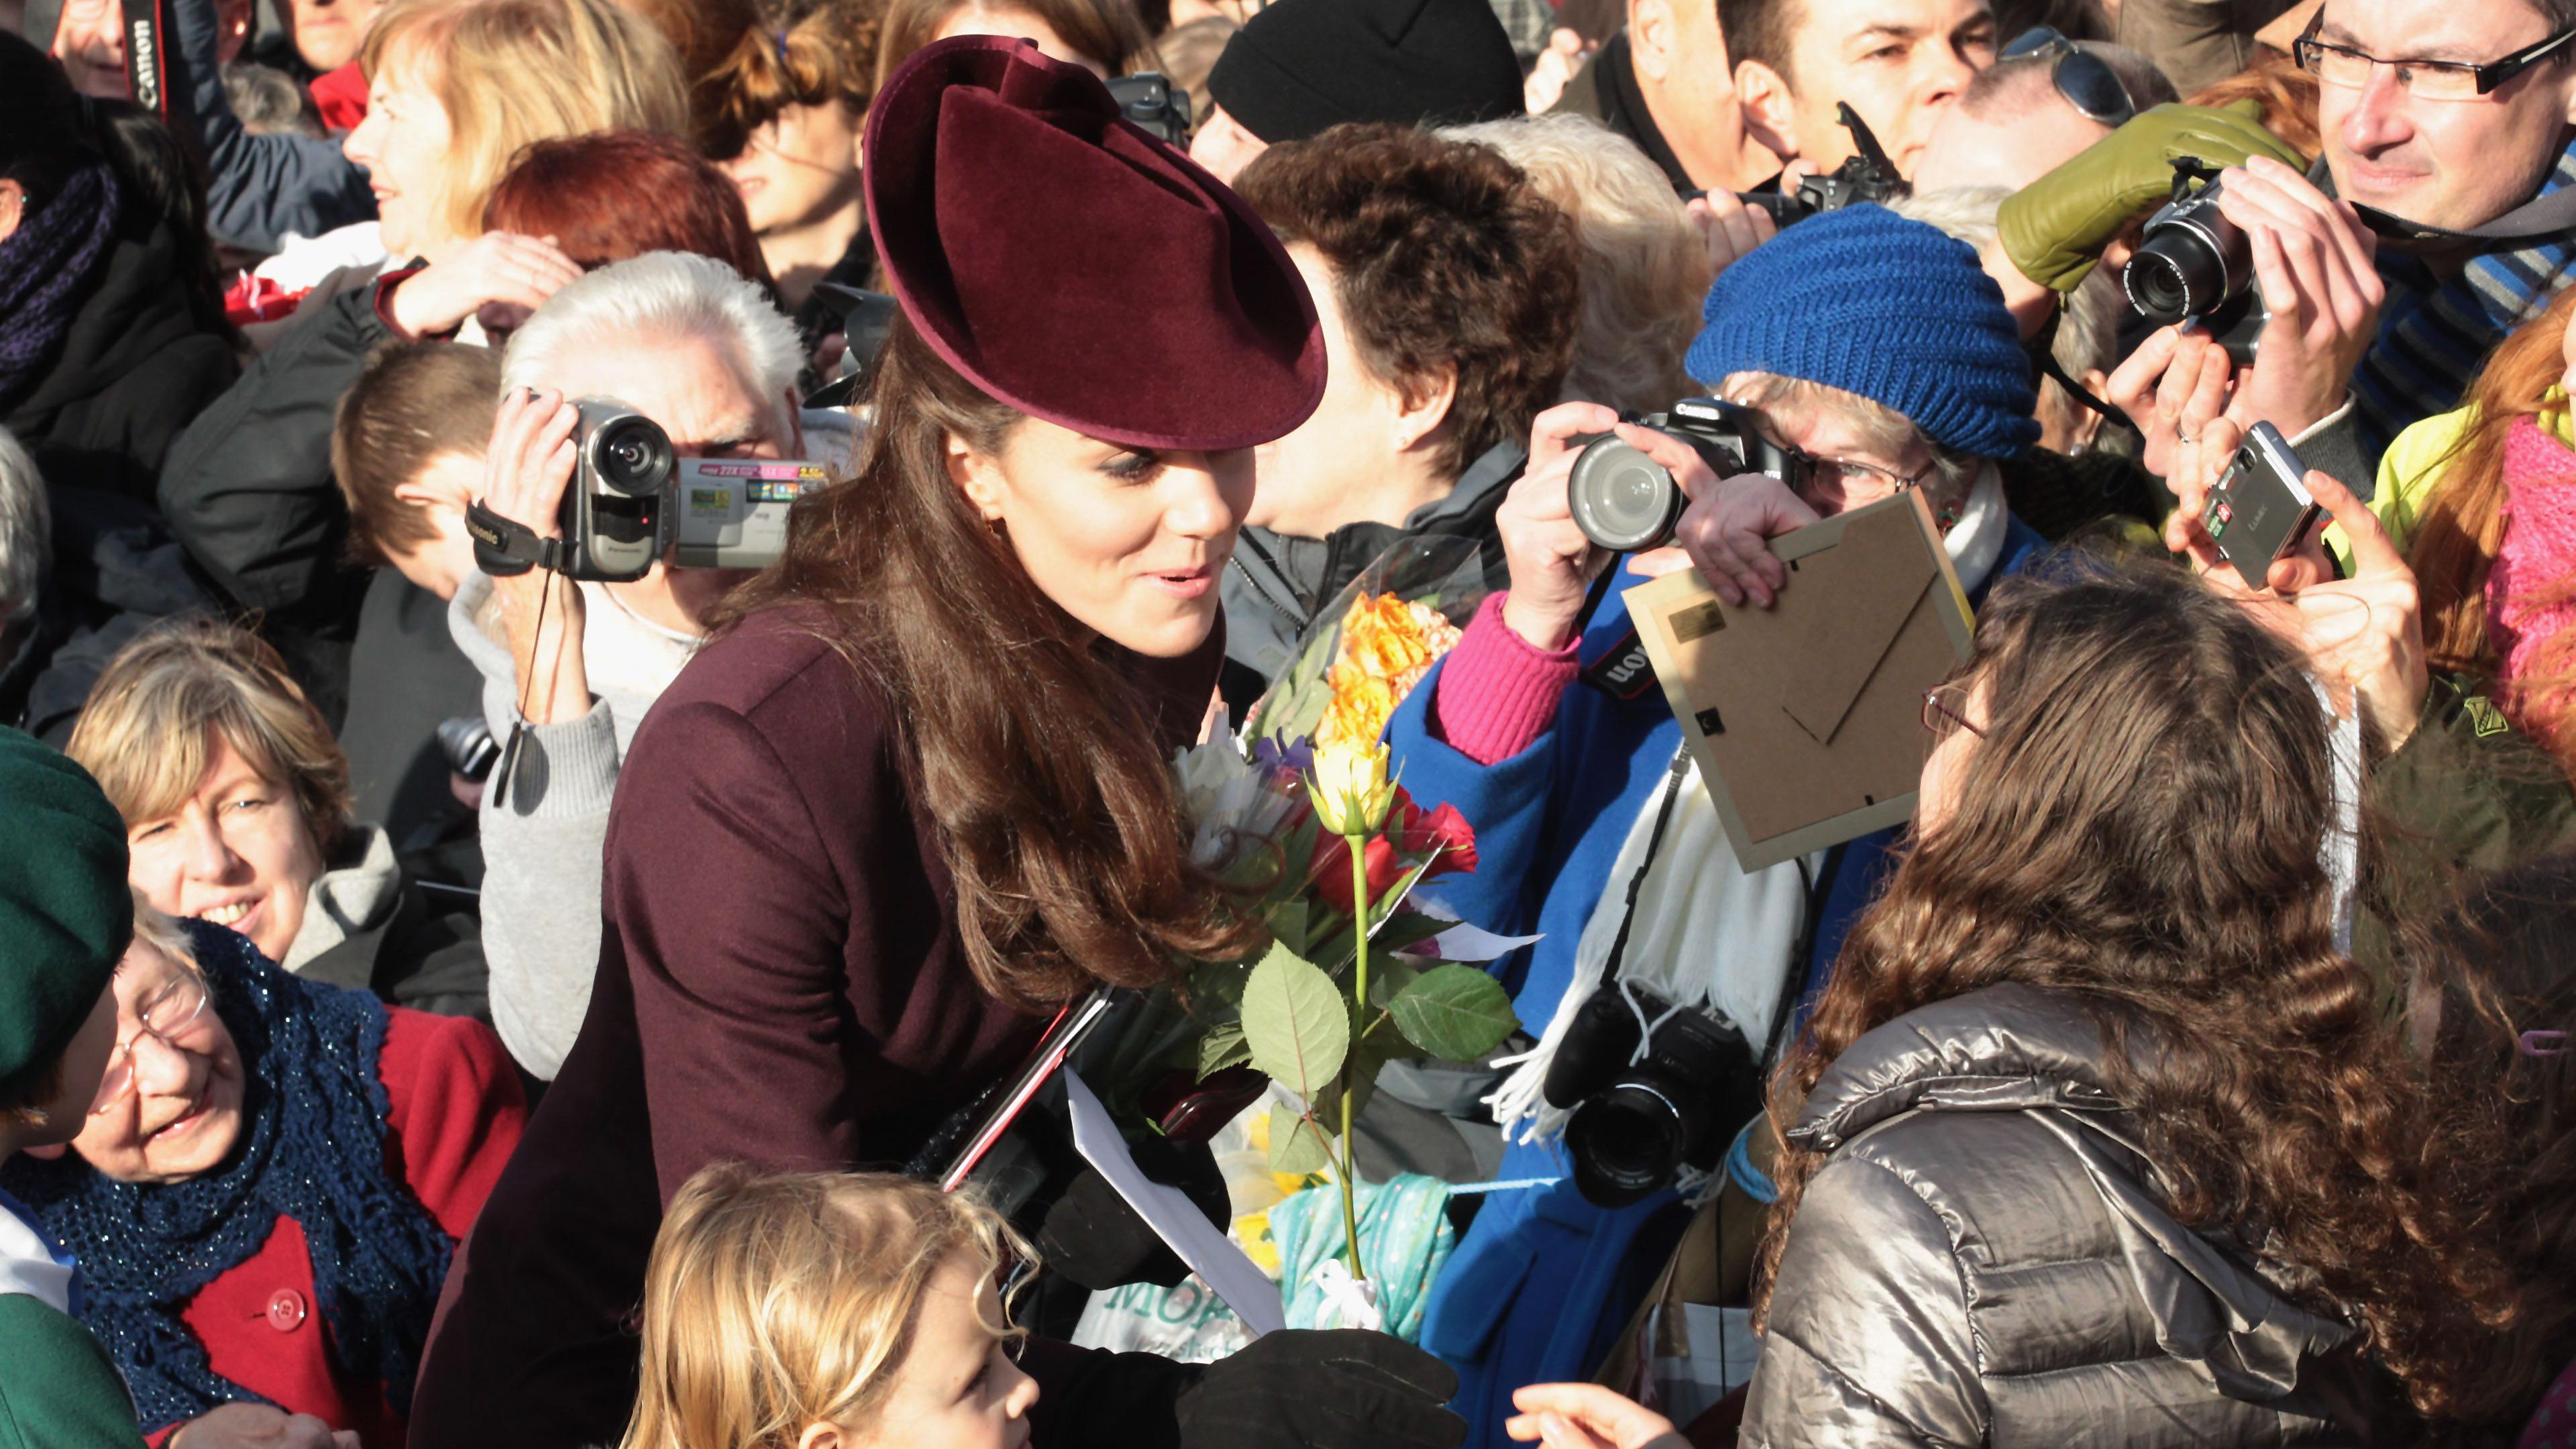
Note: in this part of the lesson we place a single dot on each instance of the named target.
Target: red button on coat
(286, 1310)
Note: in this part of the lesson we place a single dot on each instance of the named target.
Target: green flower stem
(1351, 1062)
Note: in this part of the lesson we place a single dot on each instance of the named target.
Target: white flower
(1226, 801)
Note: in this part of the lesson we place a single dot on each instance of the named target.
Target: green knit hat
(65, 912)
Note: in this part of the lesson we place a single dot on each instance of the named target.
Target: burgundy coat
(779, 983)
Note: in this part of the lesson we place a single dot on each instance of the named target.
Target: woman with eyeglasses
(2097, 1133)
(1879, 354)
(265, 1194)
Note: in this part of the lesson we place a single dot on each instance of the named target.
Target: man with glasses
(2438, 227)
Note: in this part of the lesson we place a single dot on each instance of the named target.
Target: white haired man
(570, 669)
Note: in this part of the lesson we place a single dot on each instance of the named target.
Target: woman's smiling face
(236, 853)
(183, 1111)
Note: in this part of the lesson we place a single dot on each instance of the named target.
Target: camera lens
(2183, 268)
(632, 455)
(1625, 1142)
(1621, 499)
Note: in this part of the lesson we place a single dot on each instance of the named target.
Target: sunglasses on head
(2084, 79)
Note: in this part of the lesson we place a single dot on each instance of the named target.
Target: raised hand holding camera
(526, 471)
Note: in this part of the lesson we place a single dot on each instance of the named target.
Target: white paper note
(1170, 1213)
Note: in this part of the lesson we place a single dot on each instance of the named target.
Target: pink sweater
(1498, 692)
(2531, 591)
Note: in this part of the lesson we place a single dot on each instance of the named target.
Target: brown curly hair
(1444, 256)
(776, 54)
(2497, 968)
(2140, 826)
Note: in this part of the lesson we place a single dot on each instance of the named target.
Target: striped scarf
(2434, 334)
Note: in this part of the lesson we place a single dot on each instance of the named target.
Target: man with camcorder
(595, 530)
(2344, 308)
(1857, 356)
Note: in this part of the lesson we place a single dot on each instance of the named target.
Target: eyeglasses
(1945, 710)
(171, 1010)
(2084, 79)
(2434, 80)
(1853, 474)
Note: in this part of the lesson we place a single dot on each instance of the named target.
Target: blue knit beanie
(1864, 300)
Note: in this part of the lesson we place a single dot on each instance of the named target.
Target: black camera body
(1640, 1116)
(1627, 502)
(1867, 175)
(2194, 262)
(1150, 101)
(633, 498)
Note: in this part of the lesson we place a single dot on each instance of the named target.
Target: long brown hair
(1062, 826)
(2497, 969)
(2462, 526)
(2140, 826)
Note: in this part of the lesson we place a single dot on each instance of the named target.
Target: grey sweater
(543, 844)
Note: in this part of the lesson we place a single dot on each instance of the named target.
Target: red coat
(456, 1112)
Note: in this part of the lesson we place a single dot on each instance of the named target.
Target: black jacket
(115, 572)
(248, 486)
(142, 358)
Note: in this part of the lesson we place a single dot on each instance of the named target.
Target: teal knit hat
(65, 912)
(1867, 301)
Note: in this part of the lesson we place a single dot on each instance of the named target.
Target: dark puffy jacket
(1985, 1260)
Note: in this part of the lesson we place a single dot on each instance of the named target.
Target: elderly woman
(236, 804)
(269, 1184)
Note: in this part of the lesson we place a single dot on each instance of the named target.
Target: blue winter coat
(1543, 1278)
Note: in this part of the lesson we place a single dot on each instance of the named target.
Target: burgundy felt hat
(1075, 267)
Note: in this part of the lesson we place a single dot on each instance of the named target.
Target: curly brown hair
(2140, 826)
(1060, 822)
(1444, 257)
(2496, 969)
(780, 53)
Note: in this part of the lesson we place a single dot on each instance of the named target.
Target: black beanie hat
(1300, 66)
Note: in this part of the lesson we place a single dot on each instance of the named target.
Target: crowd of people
(597, 598)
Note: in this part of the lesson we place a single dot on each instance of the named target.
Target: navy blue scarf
(45, 272)
(312, 1149)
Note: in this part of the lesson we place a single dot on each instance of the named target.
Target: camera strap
(1672, 792)
(506, 548)
(147, 62)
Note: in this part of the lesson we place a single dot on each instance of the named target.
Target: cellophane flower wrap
(1373, 642)
(1289, 1013)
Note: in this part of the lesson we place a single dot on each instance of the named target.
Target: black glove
(1091, 1236)
(1340, 1388)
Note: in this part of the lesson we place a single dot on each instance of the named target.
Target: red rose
(1331, 870)
(1417, 833)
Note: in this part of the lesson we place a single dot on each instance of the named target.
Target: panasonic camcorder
(633, 499)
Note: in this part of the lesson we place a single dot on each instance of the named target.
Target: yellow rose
(1350, 788)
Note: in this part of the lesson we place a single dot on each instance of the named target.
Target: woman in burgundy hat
(914, 795)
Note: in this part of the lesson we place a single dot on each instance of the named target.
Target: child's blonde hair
(777, 1301)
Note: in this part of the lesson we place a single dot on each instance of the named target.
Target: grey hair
(26, 531)
(1644, 268)
(2089, 317)
(664, 295)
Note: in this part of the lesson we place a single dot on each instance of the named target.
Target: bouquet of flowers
(1361, 969)
(1374, 643)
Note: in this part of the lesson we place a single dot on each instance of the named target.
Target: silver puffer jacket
(1985, 1260)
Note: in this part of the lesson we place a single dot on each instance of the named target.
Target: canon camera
(1627, 502)
(1651, 1090)
(632, 499)
(2196, 263)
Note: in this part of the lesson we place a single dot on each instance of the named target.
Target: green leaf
(1296, 1022)
(1296, 1143)
(1368, 1057)
(1388, 978)
(1221, 1048)
(1456, 1013)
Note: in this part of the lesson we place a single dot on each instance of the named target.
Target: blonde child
(828, 1311)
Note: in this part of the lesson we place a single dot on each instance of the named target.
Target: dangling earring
(1948, 517)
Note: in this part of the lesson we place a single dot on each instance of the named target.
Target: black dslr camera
(1866, 175)
(1640, 1116)
(632, 499)
(2195, 263)
(1627, 502)
(1149, 100)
